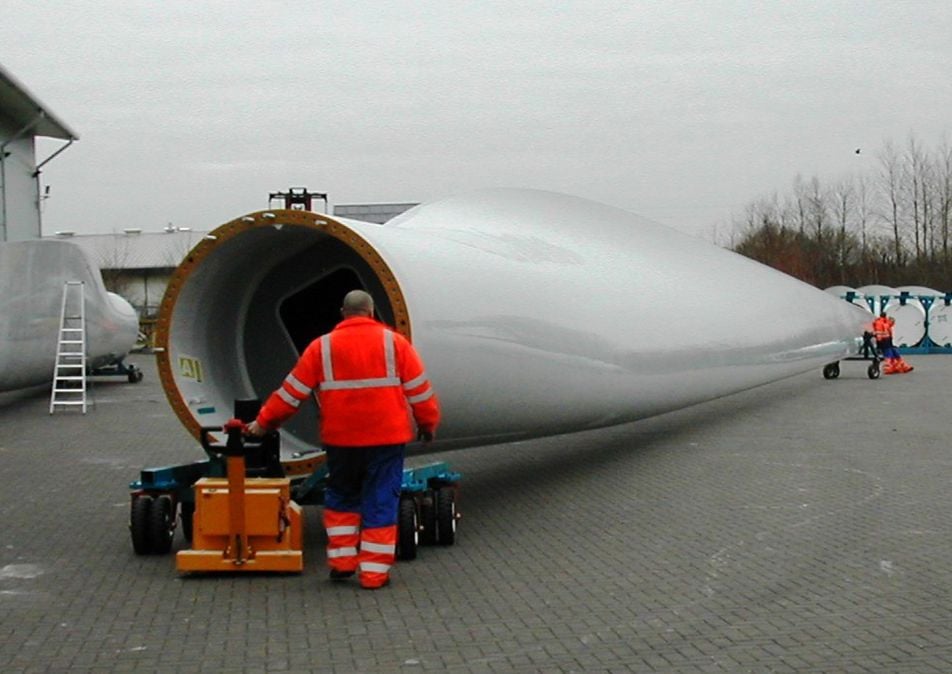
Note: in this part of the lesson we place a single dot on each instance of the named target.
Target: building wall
(142, 288)
(19, 189)
(137, 265)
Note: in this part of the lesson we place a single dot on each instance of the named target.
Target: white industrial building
(137, 265)
(22, 119)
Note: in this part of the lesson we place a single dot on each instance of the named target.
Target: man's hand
(424, 435)
(254, 430)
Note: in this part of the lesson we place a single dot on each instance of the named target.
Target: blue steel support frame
(180, 479)
(925, 345)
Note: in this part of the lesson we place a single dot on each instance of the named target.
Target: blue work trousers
(365, 480)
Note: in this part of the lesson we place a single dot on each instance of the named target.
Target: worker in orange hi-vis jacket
(883, 331)
(371, 387)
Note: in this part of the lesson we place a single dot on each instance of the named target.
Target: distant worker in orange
(372, 388)
(883, 331)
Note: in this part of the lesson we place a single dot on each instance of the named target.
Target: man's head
(357, 303)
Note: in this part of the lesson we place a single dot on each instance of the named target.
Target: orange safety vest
(371, 387)
(882, 329)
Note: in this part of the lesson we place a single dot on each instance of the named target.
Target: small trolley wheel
(161, 525)
(186, 515)
(873, 371)
(139, 519)
(428, 518)
(407, 529)
(446, 516)
(831, 371)
(135, 376)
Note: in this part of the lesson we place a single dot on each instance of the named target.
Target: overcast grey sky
(191, 112)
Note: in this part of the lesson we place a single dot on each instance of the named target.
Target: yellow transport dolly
(242, 523)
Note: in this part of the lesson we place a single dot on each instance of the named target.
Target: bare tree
(913, 173)
(842, 196)
(918, 172)
(863, 210)
(889, 226)
(890, 177)
(799, 204)
(112, 263)
(818, 211)
(943, 175)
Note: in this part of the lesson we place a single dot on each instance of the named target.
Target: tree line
(889, 226)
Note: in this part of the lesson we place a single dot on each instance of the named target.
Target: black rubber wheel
(831, 371)
(873, 371)
(161, 525)
(428, 518)
(407, 529)
(186, 515)
(135, 376)
(446, 516)
(139, 520)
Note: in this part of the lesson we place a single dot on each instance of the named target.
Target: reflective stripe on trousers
(377, 553)
(343, 535)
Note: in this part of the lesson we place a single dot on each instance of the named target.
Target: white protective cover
(940, 323)
(910, 317)
(32, 276)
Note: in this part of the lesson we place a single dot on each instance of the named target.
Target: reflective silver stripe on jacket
(416, 381)
(296, 384)
(381, 382)
(331, 384)
(388, 356)
(413, 400)
(326, 358)
(288, 398)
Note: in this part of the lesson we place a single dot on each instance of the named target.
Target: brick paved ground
(801, 527)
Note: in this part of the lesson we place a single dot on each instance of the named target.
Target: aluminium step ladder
(69, 373)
